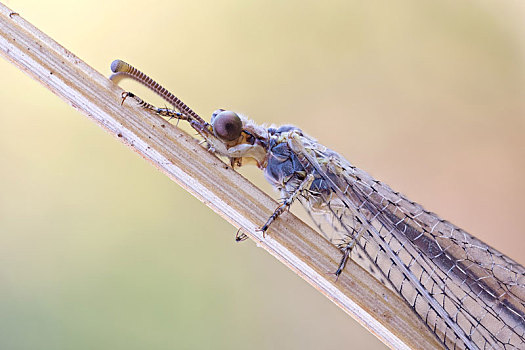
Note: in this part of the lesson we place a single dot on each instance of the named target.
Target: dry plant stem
(180, 157)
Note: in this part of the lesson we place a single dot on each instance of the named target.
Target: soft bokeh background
(100, 250)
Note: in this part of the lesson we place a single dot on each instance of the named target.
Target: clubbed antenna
(121, 69)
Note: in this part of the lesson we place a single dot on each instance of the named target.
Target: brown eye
(227, 125)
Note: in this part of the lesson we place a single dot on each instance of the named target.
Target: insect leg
(305, 184)
(240, 236)
(163, 112)
(352, 231)
(347, 250)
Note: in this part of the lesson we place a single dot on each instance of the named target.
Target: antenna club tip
(118, 66)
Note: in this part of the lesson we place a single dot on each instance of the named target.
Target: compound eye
(227, 125)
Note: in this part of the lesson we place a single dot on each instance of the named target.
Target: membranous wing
(469, 294)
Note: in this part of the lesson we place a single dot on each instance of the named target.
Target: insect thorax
(284, 169)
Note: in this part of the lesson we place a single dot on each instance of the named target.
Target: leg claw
(263, 230)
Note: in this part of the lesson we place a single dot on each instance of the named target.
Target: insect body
(469, 294)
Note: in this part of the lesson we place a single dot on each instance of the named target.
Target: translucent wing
(469, 294)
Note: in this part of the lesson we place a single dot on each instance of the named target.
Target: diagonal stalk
(181, 158)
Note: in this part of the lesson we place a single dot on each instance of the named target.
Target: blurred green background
(100, 250)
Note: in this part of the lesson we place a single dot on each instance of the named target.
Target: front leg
(304, 185)
(163, 112)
